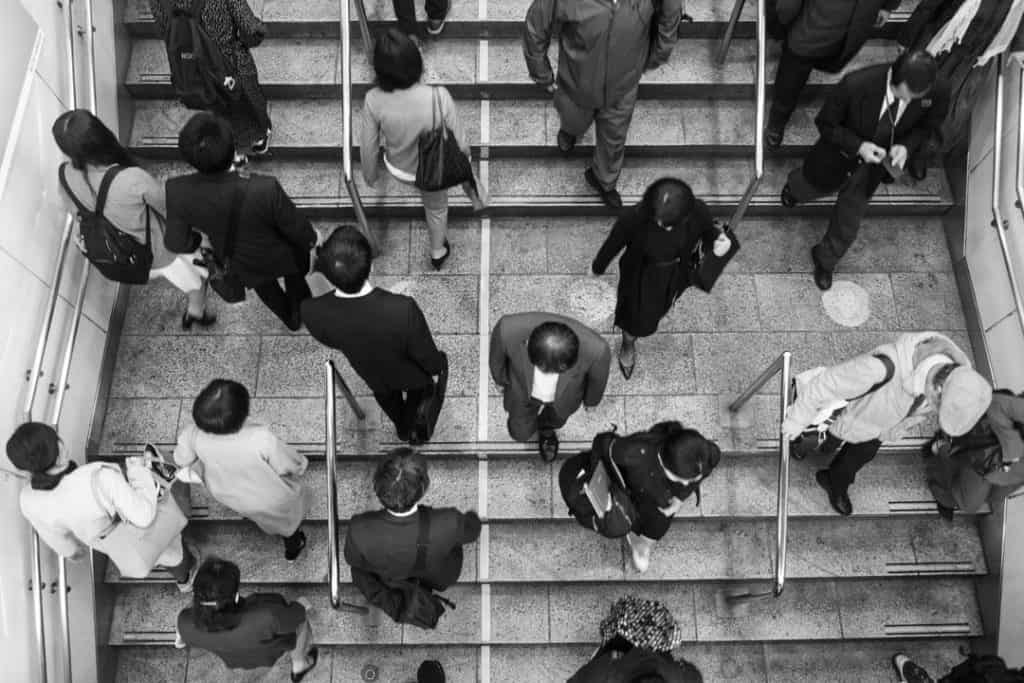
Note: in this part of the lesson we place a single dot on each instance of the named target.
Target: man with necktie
(871, 122)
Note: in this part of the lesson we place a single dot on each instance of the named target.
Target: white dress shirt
(367, 288)
(544, 385)
(888, 100)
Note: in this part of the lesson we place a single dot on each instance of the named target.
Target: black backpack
(578, 472)
(116, 254)
(199, 72)
(983, 669)
(406, 601)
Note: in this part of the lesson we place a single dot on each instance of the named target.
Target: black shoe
(438, 263)
(294, 545)
(840, 500)
(822, 276)
(918, 168)
(547, 446)
(314, 654)
(205, 320)
(787, 198)
(430, 671)
(294, 321)
(945, 512)
(627, 370)
(566, 142)
(611, 198)
(261, 146)
(435, 26)
(772, 137)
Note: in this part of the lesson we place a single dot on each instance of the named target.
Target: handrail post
(331, 454)
(760, 101)
(723, 48)
(997, 214)
(36, 586)
(347, 393)
(364, 30)
(1020, 140)
(756, 385)
(782, 501)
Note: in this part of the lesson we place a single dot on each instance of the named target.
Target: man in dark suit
(384, 336)
(547, 366)
(817, 34)
(383, 544)
(871, 123)
(274, 238)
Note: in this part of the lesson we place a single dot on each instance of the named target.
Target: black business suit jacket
(384, 336)
(584, 383)
(859, 30)
(850, 116)
(273, 240)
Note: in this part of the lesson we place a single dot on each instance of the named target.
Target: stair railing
(364, 30)
(346, 114)
(782, 367)
(760, 97)
(332, 382)
(998, 222)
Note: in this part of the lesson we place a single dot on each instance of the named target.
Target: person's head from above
(397, 61)
(84, 139)
(913, 75)
(401, 480)
(207, 143)
(345, 259)
(34, 447)
(960, 395)
(668, 201)
(553, 347)
(687, 457)
(215, 594)
(222, 407)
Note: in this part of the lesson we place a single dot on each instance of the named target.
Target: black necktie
(887, 125)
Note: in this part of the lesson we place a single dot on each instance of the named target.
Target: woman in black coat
(659, 236)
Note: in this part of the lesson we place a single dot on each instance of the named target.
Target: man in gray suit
(547, 366)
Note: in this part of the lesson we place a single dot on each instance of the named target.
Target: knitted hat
(645, 623)
(966, 396)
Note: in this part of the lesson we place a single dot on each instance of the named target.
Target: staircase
(891, 577)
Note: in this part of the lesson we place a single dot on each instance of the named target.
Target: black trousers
(400, 407)
(650, 522)
(405, 11)
(525, 425)
(849, 458)
(790, 78)
(285, 302)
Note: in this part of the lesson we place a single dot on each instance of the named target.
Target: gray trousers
(611, 126)
(955, 484)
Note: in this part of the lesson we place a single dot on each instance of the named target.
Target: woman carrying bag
(244, 465)
(130, 517)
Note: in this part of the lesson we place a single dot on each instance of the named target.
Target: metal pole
(346, 91)
(332, 483)
(760, 99)
(997, 216)
(1020, 142)
(37, 606)
(89, 33)
(761, 380)
(347, 393)
(723, 49)
(364, 29)
(70, 46)
(782, 503)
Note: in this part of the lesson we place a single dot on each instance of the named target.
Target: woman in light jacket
(395, 113)
(135, 198)
(244, 465)
(70, 506)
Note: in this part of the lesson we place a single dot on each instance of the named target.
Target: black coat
(850, 117)
(384, 336)
(614, 667)
(861, 27)
(274, 238)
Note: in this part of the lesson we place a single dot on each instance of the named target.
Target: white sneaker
(640, 551)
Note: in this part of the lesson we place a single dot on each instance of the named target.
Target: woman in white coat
(73, 507)
(244, 465)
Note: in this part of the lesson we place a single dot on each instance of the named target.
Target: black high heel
(205, 320)
(438, 263)
(626, 370)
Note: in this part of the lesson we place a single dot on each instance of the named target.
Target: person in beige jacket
(879, 396)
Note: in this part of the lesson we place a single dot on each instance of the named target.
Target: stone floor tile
(537, 664)
(552, 551)
(853, 662)
(693, 62)
(393, 239)
(573, 242)
(399, 664)
(898, 245)
(664, 366)
(461, 625)
(260, 556)
(522, 489)
(158, 122)
(518, 247)
(464, 237)
(581, 426)
(130, 422)
(449, 302)
(869, 607)
(519, 613)
(732, 306)
(165, 366)
(957, 542)
(928, 301)
(151, 665)
(806, 610)
(791, 303)
(311, 182)
(660, 123)
(281, 11)
(294, 367)
(708, 549)
(823, 548)
(331, 626)
(152, 608)
(739, 662)
(587, 299)
(312, 123)
(299, 60)
(523, 122)
(458, 421)
(450, 61)
(729, 362)
(206, 667)
(300, 421)
(696, 411)
(577, 609)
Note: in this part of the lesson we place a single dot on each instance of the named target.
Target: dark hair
(685, 451)
(401, 479)
(34, 447)
(222, 407)
(396, 61)
(87, 140)
(553, 347)
(668, 200)
(345, 259)
(207, 143)
(214, 607)
(916, 68)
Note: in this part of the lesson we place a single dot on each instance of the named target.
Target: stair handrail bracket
(781, 366)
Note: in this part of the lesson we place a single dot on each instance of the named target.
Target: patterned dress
(232, 25)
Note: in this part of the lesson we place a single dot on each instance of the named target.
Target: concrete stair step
(789, 662)
(503, 18)
(531, 613)
(310, 67)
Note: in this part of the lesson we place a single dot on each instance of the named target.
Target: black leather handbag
(226, 283)
(442, 164)
(706, 267)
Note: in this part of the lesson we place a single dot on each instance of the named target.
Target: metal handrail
(346, 118)
(781, 366)
(364, 30)
(760, 97)
(332, 382)
(1020, 142)
(998, 222)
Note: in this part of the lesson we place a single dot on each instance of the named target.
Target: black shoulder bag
(441, 164)
(227, 284)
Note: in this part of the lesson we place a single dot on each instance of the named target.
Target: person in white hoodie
(878, 396)
(71, 506)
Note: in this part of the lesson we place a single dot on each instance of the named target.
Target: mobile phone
(164, 470)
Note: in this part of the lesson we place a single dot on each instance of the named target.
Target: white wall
(32, 221)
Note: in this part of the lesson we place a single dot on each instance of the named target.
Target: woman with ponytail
(72, 507)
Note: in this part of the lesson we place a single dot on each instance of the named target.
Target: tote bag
(442, 164)
(135, 550)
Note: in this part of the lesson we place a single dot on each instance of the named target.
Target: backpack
(199, 72)
(983, 669)
(116, 254)
(589, 473)
(406, 601)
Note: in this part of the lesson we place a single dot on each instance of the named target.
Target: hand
(871, 153)
(722, 245)
(882, 18)
(898, 156)
(229, 83)
(551, 88)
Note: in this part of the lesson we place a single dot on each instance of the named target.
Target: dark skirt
(646, 294)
